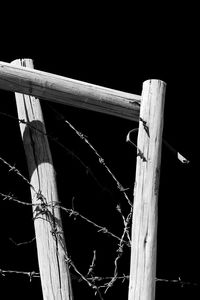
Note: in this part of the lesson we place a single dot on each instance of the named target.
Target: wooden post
(52, 254)
(144, 225)
(69, 91)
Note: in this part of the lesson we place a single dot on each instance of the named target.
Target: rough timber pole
(144, 226)
(54, 273)
(68, 91)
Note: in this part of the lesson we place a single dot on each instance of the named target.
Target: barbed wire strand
(92, 265)
(22, 243)
(83, 137)
(126, 220)
(90, 278)
(119, 250)
(70, 152)
(56, 141)
(101, 160)
(70, 212)
(104, 230)
(14, 169)
(31, 274)
(34, 274)
(58, 238)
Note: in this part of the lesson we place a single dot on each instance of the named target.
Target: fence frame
(67, 91)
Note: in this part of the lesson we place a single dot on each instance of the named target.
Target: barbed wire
(14, 169)
(70, 212)
(95, 282)
(70, 152)
(119, 250)
(22, 243)
(84, 138)
(91, 281)
(127, 220)
(90, 278)
(33, 274)
(101, 161)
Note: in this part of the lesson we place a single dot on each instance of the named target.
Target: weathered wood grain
(68, 91)
(50, 241)
(144, 225)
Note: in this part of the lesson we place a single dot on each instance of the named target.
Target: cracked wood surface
(52, 254)
(68, 91)
(144, 225)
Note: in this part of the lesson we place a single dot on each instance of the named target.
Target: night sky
(117, 48)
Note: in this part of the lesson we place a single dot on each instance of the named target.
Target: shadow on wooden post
(52, 254)
(144, 225)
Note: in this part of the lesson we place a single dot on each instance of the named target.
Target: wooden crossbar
(68, 91)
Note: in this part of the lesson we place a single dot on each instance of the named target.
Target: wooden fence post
(52, 255)
(144, 225)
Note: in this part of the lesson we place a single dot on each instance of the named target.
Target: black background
(117, 47)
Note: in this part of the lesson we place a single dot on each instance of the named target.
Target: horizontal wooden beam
(68, 91)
